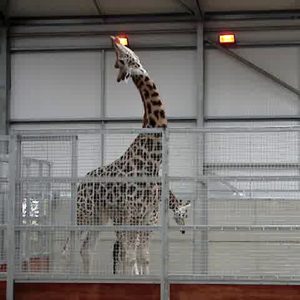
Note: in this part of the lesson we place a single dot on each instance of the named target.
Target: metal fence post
(200, 212)
(11, 219)
(74, 171)
(164, 284)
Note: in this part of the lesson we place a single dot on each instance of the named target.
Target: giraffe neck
(154, 112)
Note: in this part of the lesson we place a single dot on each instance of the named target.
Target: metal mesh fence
(72, 192)
(244, 186)
(89, 204)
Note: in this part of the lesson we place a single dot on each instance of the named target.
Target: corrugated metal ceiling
(42, 8)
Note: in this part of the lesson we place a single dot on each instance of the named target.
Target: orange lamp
(123, 39)
(227, 39)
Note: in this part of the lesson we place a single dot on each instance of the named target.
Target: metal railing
(245, 230)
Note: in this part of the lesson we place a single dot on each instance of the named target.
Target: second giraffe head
(127, 61)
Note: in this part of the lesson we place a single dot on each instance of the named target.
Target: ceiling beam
(199, 10)
(104, 19)
(98, 7)
(253, 15)
(185, 6)
(4, 10)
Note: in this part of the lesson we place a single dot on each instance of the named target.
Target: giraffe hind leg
(118, 258)
(87, 243)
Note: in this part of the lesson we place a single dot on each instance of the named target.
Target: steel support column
(73, 217)
(102, 104)
(11, 219)
(164, 283)
(200, 205)
(3, 81)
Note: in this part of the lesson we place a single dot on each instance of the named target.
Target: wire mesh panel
(4, 195)
(74, 189)
(88, 204)
(244, 187)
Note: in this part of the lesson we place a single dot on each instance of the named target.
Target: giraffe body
(125, 203)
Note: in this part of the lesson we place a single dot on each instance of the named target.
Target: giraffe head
(127, 61)
(180, 214)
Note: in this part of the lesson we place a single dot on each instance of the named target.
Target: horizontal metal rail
(91, 49)
(88, 227)
(105, 19)
(112, 228)
(261, 199)
(237, 279)
(149, 179)
(231, 130)
(235, 178)
(69, 133)
(260, 228)
(241, 165)
(27, 134)
(56, 277)
(90, 179)
(101, 120)
(252, 119)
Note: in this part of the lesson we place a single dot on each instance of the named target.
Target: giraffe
(129, 65)
(131, 203)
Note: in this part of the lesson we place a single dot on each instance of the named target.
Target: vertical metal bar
(164, 284)
(200, 248)
(50, 212)
(11, 219)
(18, 217)
(3, 190)
(102, 103)
(200, 75)
(74, 174)
(3, 81)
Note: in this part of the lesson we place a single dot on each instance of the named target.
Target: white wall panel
(172, 71)
(56, 85)
(281, 62)
(232, 89)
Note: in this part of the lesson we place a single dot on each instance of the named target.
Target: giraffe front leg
(144, 262)
(144, 254)
(130, 262)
